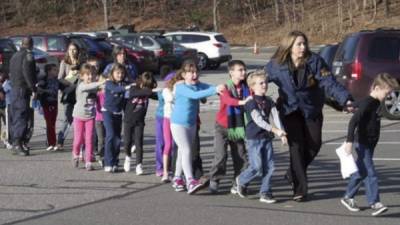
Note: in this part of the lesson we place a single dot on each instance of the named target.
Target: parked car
(182, 53)
(162, 48)
(213, 49)
(54, 45)
(363, 55)
(7, 49)
(42, 58)
(142, 58)
(328, 53)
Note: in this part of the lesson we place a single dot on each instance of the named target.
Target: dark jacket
(307, 94)
(23, 70)
(114, 97)
(137, 104)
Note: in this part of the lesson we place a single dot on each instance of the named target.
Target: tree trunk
(276, 5)
(105, 13)
(375, 12)
(294, 12)
(350, 12)
(340, 15)
(215, 14)
(386, 8)
(286, 12)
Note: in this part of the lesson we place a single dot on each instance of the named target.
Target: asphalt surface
(44, 188)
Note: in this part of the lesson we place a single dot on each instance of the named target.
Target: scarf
(236, 117)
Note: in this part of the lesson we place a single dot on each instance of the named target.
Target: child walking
(99, 121)
(83, 114)
(134, 118)
(112, 115)
(183, 123)
(230, 126)
(48, 97)
(367, 121)
(261, 111)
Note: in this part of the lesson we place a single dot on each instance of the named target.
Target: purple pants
(159, 144)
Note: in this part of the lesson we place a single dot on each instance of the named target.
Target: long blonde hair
(283, 53)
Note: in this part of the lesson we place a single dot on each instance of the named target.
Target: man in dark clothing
(23, 83)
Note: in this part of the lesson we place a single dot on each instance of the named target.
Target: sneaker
(127, 164)
(75, 162)
(240, 188)
(234, 190)
(159, 173)
(133, 148)
(9, 146)
(378, 208)
(178, 184)
(108, 169)
(114, 169)
(101, 163)
(300, 198)
(267, 198)
(89, 166)
(194, 186)
(350, 204)
(139, 169)
(165, 178)
(50, 148)
(213, 186)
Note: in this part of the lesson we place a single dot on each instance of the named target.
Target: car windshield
(220, 38)
(37, 53)
(347, 49)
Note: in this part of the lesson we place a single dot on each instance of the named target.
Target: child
(230, 126)
(112, 115)
(134, 118)
(99, 122)
(367, 121)
(7, 89)
(183, 123)
(260, 111)
(168, 96)
(3, 104)
(48, 97)
(83, 114)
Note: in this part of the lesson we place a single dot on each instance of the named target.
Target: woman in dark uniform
(303, 78)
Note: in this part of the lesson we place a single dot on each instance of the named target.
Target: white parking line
(386, 159)
(379, 143)
(346, 122)
(345, 131)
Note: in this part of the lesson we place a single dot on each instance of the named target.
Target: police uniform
(301, 99)
(23, 83)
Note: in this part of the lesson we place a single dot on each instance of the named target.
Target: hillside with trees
(242, 21)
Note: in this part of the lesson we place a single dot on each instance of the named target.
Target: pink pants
(168, 141)
(83, 134)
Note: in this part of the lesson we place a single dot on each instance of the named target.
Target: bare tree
(386, 8)
(215, 14)
(276, 6)
(105, 13)
(340, 15)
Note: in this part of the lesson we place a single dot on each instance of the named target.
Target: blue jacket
(187, 98)
(309, 95)
(131, 70)
(114, 97)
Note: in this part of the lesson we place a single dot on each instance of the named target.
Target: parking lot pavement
(44, 188)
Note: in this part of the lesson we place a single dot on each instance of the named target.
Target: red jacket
(226, 99)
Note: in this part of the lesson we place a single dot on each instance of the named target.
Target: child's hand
(278, 132)
(348, 147)
(156, 89)
(127, 87)
(284, 140)
(220, 88)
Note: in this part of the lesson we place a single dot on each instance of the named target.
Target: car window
(6, 46)
(347, 49)
(38, 42)
(384, 48)
(220, 38)
(56, 44)
(146, 41)
(197, 38)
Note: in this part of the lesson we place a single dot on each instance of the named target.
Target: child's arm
(353, 124)
(208, 90)
(274, 116)
(89, 87)
(113, 88)
(259, 120)
(139, 92)
(227, 99)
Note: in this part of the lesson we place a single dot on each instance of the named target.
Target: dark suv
(7, 49)
(362, 56)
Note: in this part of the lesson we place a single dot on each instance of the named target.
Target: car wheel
(202, 61)
(164, 70)
(214, 65)
(391, 105)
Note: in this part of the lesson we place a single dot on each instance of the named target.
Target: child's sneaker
(178, 184)
(114, 169)
(240, 189)
(89, 166)
(378, 208)
(75, 162)
(139, 169)
(127, 164)
(213, 187)
(159, 173)
(50, 148)
(350, 204)
(108, 169)
(267, 198)
(133, 148)
(194, 186)
(234, 189)
(165, 178)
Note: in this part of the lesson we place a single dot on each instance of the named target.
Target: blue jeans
(366, 173)
(261, 164)
(112, 124)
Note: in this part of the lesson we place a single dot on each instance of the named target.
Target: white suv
(212, 48)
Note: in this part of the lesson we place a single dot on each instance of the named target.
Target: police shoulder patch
(325, 72)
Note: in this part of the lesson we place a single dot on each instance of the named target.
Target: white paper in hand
(347, 163)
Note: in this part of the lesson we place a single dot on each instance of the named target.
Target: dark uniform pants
(304, 138)
(20, 111)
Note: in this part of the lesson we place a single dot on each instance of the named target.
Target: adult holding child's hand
(303, 78)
